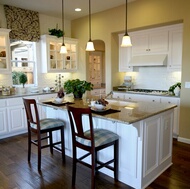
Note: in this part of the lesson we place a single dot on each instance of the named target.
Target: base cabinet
(13, 116)
(144, 147)
(154, 98)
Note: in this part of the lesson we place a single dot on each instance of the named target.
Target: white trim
(184, 140)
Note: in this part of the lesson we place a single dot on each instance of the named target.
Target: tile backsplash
(158, 78)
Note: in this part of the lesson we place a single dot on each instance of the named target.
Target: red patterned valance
(24, 24)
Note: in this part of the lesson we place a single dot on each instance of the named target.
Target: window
(23, 61)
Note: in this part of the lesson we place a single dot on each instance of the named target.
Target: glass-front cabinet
(52, 60)
(4, 51)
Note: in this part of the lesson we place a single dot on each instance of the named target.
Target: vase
(78, 96)
(177, 91)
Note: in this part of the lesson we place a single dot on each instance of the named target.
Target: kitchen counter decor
(77, 87)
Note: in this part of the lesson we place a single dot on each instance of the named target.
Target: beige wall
(141, 14)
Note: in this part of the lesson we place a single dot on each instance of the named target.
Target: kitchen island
(145, 137)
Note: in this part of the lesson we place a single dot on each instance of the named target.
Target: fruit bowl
(58, 100)
(99, 106)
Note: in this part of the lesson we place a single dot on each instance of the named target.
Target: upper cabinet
(5, 63)
(52, 60)
(151, 41)
(125, 54)
(149, 45)
(175, 48)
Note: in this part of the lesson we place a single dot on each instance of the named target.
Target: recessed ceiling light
(78, 9)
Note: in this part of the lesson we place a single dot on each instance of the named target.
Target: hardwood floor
(16, 173)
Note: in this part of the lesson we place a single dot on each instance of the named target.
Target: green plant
(23, 78)
(77, 87)
(57, 32)
(172, 88)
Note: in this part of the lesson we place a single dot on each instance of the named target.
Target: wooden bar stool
(92, 141)
(39, 127)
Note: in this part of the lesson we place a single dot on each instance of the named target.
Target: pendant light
(126, 41)
(90, 44)
(63, 49)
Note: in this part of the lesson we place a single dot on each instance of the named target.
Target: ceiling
(53, 7)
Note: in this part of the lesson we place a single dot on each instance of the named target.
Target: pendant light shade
(63, 49)
(90, 44)
(126, 41)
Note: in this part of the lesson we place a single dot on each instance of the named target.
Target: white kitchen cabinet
(175, 48)
(13, 116)
(173, 100)
(157, 142)
(118, 95)
(5, 66)
(52, 60)
(133, 97)
(151, 144)
(150, 98)
(152, 41)
(3, 118)
(124, 57)
(16, 115)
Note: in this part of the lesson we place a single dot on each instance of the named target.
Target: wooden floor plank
(17, 173)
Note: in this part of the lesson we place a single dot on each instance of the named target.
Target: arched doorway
(96, 68)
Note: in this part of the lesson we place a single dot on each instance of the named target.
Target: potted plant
(56, 32)
(175, 89)
(22, 79)
(77, 87)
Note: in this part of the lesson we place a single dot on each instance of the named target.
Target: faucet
(109, 94)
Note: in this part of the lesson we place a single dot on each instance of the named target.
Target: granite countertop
(129, 112)
(25, 94)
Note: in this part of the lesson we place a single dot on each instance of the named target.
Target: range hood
(149, 60)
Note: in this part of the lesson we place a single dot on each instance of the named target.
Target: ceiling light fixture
(90, 45)
(78, 9)
(63, 49)
(126, 41)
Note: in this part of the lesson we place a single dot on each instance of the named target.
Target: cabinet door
(53, 61)
(153, 41)
(151, 98)
(16, 119)
(171, 100)
(125, 54)
(166, 136)
(175, 52)
(3, 123)
(16, 115)
(133, 97)
(5, 66)
(118, 95)
(158, 42)
(151, 144)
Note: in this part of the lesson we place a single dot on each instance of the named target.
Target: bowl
(99, 106)
(59, 100)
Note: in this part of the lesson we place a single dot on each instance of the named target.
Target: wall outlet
(187, 84)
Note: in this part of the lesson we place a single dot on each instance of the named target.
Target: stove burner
(149, 91)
